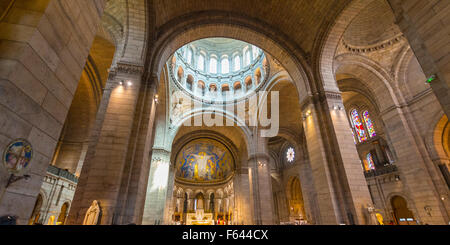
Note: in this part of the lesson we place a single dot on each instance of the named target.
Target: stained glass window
(370, 163)
(359, 128)
(290, 154)
(369, 124)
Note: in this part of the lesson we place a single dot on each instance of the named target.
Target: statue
(92, 214)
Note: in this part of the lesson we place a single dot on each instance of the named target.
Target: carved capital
(258, 156)
(321, 97)
(132, 69)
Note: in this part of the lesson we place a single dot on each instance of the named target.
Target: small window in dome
(213, 65)
(189, 56)
(201, 87)
(255, 52)
(247, 58)
(248, 82)
(237, 87)
(189, 82)
(212, 88)
(225, 89)
(237, 63)
(201, 62)
(225, 65)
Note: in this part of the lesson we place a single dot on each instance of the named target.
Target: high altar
(199, 218)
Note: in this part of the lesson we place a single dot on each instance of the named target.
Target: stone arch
(35, 214)
(294, 193)
(230, 144)
(64, 212)
(410, 203)
(181, 31)
(372, 76)
(435, 138)
(331, 40)
(225, 114)
(81, 117)
(126, 21)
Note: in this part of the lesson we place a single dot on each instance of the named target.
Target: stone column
(420, 177)
(135, 175)
(338, 179)
(425, 25)
(157, 187)
(261, 183)
(168, 210)
(103, 169)
(243, 197)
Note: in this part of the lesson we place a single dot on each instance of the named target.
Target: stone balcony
(386, 169)
(62, 173)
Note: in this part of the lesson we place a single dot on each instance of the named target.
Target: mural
(17, 155)
(204, 160)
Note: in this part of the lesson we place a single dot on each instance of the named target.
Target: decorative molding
(132, 69)
(320, 98)
(375, 47)
(259, 156)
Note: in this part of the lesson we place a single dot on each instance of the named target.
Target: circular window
(290, 154)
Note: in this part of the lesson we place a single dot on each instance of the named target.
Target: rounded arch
(374, 78)
(437, 138)
(120, 21)
(180, 73)
(181, 31)
(332, 37)
(36, 213)
(409, 201)
(244, 130)
(231, 144)
(63, 213)
(258, 76)
(295, 198)
(400, 209)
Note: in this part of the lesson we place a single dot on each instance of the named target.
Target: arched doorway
(199, 201)
(402, 215)
(35, 215)
(63, 214)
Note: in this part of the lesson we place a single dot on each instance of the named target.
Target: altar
(199, 218)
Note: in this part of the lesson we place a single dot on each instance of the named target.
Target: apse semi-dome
(204, 161)
(219, 69)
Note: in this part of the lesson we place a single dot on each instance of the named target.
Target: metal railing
(387, 169)
(62, 173)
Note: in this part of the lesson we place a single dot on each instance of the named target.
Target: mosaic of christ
(204, 160)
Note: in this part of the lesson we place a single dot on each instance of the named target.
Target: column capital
(321, 97)
(259, 156)
(129, 68)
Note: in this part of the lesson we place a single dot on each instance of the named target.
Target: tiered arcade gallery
(224, 113)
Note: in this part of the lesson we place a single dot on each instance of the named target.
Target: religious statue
(92, 214)
(372, 218)
(201, 159)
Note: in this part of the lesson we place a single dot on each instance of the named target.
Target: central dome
(219, 69)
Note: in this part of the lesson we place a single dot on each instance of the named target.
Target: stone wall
(43, 48)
